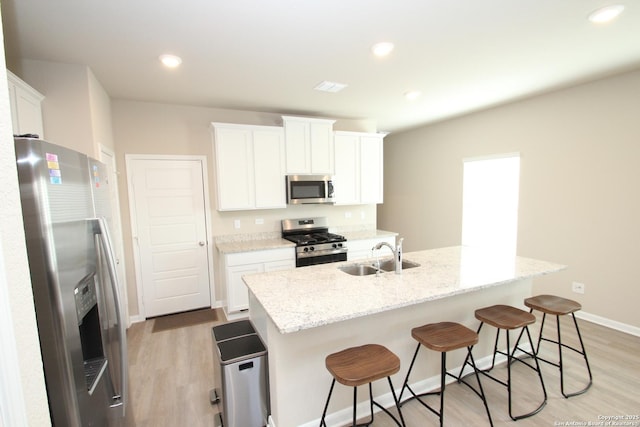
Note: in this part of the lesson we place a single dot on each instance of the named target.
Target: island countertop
(309, 297)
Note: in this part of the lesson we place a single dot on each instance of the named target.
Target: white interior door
(170, 232)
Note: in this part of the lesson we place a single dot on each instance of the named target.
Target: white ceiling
(267, 55)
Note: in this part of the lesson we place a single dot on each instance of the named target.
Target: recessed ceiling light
(606, 14)
(327, 86)
(170, 61)
(412, 94)
(382, 49)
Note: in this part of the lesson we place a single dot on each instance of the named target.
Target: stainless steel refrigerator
(65, 205)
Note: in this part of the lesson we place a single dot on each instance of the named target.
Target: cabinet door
(371, 169)
(237, 293)
(322, 155)
(268, 160)
(286, 264)
(26, 109)
(234, 168)
(347, 163)
(297, 147)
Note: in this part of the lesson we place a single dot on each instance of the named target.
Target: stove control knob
(306, 249)
(312, 248)
(337, 245)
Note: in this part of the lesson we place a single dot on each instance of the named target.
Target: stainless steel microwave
(310, 189)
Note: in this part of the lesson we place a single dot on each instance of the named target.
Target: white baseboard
(136, 319)
(236, 315)
(603, 321)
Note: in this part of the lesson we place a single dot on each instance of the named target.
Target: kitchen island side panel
(299, 381)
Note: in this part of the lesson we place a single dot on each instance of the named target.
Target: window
(490, 202)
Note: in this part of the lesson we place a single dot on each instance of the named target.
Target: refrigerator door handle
(105, 240)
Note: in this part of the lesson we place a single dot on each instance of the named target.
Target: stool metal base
(371, 403)
(511, 359)
(560, 364)
(443, 375)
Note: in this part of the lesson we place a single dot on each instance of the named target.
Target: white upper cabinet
(249, 166)
(26, 107)
(309, 145)
(346, 180)
(359, 168)
(371, 169)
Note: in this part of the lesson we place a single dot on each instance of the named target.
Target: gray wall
(579, 186)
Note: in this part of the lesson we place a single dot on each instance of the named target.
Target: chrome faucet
(397, 253)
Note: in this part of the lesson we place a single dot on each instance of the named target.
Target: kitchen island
(306, 313)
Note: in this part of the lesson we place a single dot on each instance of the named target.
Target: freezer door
(114, 329)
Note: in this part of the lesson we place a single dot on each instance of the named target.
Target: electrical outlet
(577, 287)
(347, 215)
(259, 221)
(236, 223)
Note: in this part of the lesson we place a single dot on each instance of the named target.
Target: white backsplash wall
(268, 221)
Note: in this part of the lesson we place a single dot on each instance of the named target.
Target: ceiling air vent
(327, 86)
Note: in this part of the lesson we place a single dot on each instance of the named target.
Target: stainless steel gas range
(314, 243)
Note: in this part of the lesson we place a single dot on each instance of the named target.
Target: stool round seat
(361, 365)
(552, 304)
(505, 317)
(444, 336)
(356, 366)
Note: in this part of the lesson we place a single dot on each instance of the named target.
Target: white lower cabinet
(237, 296)
(238, 264)
(361, 249)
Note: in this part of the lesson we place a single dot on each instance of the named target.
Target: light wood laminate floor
(171, 374)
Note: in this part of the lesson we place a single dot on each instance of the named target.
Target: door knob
(201, 243)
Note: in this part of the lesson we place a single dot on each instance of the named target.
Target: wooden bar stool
(357, 366)
(558, 306)
(504, 317)
(444, 337)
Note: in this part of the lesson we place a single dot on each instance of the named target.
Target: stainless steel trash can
(240, 375)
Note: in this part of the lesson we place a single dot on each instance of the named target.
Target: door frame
(129, 159)
(122, 267)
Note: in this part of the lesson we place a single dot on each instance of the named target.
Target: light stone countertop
(309, 297)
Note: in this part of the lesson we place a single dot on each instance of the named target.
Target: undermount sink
(390, 265)
(369, 269)
(359, 269)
